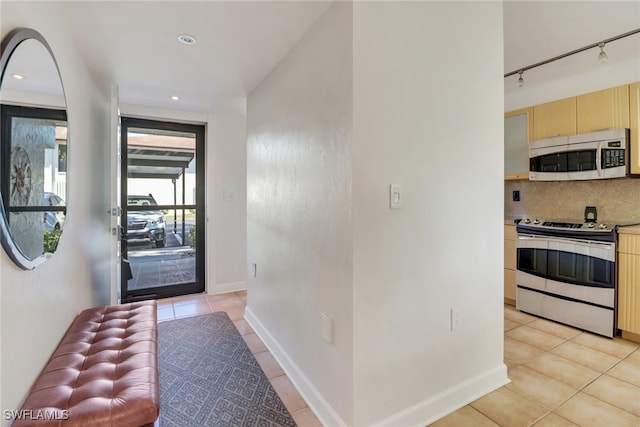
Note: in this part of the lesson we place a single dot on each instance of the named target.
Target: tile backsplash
(617, 200)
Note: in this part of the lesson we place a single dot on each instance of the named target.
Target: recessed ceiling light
(186, 39)
(175, 98)
(17, 76)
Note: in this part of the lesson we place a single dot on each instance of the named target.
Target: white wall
(38, 306)
(299, 213)
(422, 120)
(228, 197)
(428, 105)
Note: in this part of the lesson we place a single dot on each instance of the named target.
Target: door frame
(184, 288)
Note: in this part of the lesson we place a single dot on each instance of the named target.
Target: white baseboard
(449, 400)
(317, 403)
(225, 288)
(419, 415)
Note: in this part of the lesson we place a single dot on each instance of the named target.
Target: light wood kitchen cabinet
(629, 285)
(557, 118)
(634, 125)
(518, 129)
(510, 264)
(604, 109)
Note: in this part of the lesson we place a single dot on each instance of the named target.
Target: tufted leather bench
(104, 372)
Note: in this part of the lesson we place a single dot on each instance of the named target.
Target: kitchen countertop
(631, 229)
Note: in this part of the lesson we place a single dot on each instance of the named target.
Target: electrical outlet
(515, 195)
(327, 327)
(455, 319)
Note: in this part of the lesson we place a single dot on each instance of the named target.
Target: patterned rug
(208, 377)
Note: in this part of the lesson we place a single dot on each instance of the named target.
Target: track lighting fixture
(602, 57)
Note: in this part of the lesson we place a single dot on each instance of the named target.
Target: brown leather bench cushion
(104, 371)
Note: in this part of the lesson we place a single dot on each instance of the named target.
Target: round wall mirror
(33, 149)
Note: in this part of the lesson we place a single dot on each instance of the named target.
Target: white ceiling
(134, 43)
(535, 31)
(538, 30)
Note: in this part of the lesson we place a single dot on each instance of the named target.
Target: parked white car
(145, 227)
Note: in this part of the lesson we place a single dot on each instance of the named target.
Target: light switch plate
(326, 327)
(395, 196)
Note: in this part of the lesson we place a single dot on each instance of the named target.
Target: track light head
(602, 57)
(520, 79)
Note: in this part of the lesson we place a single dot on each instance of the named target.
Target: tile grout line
(539, 403)
(607, 402)
(538, 348)
(582, 389)
(545, 332)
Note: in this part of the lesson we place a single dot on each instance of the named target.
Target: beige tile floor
(560, 376)
(234, 304)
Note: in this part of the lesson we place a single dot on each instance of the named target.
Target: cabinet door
(509, 286)
(604, 109)
(634, 125)
(518, 126)
(557, 118)
(629, 292)
(510, 254)
(510, 264)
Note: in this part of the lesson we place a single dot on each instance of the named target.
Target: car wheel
(159, 243)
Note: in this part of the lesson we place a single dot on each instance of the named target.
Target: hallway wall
(37, 306)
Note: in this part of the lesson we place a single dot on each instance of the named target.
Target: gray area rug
(208, 377)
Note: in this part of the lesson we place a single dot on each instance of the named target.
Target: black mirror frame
(7, 48)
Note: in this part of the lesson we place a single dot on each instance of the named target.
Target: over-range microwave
(595, 155)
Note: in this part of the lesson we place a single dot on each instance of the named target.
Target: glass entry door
(162, 209)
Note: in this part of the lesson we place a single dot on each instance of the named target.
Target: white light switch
(395, 196)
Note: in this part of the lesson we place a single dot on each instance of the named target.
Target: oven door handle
(559, 240)
(587, 244)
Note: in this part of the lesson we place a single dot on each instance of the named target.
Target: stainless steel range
(566, 272)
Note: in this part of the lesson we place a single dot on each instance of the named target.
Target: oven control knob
(527, 220)
(536, 221)
(590, 225)
(602, 226)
